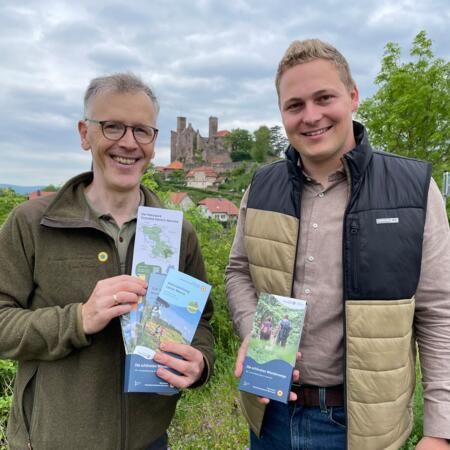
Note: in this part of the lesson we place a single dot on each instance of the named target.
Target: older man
(363, 237)
(64, 284)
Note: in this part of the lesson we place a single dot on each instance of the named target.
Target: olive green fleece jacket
(69, 387)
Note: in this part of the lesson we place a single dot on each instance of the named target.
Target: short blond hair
(300, 52)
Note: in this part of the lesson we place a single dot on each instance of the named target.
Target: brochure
(273, 346)
(156, 250)
(172, 310)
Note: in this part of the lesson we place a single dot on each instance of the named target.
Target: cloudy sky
(202, 57)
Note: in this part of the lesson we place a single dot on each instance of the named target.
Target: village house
(181, 199)
(170, 168)
(220, 209)
(38, 193)
(203, 177)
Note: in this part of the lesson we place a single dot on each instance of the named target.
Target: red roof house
(181, 199)
(221, 209)
(167, 170)
(201, 177)
(37, 194)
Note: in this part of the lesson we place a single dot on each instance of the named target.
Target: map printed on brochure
(156, 250)
(273, 346)
(173, 308)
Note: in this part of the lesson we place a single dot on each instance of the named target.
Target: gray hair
(300, 52)
(118, 82)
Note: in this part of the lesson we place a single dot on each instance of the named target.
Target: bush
(7, 372)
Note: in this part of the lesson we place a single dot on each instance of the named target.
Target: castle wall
(185, 141)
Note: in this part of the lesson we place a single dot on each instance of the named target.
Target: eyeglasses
(115, 131)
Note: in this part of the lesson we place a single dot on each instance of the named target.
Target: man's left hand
(433, 443)
(239, 368)
(190, 367)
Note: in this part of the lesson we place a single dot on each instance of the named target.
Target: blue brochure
(171, 312)
(156, 250)
(273, 346)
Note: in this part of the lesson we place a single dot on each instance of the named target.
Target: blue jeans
(295, 427)
(159, 444)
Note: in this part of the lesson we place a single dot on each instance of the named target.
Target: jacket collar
(69, 208)
(357, 159)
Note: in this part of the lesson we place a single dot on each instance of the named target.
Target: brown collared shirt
(123, 235)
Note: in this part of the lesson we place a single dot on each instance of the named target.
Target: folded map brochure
(172, 309)
(156, 250)
(273, 346)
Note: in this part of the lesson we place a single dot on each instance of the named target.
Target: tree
(50, 188)
(240, 142)
(261, 147)
(278, 140)
(409, 115)
(8, 201)
(177, 177)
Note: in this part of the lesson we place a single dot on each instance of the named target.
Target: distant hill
(22, 190)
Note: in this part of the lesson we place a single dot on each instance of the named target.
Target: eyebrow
(314, 94)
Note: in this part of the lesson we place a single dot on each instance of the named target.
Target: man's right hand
(111, 298)
(240, 367)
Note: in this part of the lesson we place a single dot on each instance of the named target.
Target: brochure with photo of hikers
(156, 250)
(172, 309)
(273, 346)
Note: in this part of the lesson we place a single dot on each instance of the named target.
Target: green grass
(7, 371)
(210, 418)
(417, 431)
(206, 418)
(262, 351)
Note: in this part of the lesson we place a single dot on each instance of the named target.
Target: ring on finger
(116, 300)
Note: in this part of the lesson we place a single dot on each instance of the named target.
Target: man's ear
(354, 94)
(83, 130)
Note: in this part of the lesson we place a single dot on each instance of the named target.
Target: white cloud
(203, 58)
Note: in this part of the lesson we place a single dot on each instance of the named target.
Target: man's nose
(311, 113)
(128, 140)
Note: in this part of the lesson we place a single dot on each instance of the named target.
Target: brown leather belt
(310, 395)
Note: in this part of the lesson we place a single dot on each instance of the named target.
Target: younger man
(363, 237)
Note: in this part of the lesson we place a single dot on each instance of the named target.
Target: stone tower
(188, 146)
(213, 126)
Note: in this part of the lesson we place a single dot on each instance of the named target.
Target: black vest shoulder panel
(277, 187)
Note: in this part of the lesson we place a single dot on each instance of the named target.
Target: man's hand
(190, 367)
(432, 443)
(111, 298)
(240, 367)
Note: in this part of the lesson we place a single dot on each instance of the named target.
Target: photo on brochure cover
(275, 333)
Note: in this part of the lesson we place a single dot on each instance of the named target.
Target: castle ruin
(189, 147)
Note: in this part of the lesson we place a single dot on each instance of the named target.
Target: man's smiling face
(118, 165)
(316, 109)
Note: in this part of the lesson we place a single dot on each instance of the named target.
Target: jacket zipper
(123, 397)
(354, 248)
(344, 293)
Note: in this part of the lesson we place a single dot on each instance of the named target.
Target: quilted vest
(382, 248)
